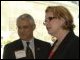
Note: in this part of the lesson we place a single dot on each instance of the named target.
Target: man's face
(25, 29)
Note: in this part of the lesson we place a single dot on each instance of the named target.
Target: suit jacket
(41, 49)
(69, 48)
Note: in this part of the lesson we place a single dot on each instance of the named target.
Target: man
(59, 23)
(27, 44)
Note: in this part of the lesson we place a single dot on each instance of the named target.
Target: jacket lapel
(19, 45)
(37, 49)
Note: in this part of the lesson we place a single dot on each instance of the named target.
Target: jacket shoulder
(40, 42)
(12, 44)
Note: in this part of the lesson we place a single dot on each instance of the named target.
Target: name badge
(20, 54)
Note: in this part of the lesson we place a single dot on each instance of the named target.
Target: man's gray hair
(26, 17)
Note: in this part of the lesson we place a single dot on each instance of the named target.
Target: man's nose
(21, 29)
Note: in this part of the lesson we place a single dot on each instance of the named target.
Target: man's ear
(34, 26)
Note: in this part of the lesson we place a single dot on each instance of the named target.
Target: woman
(59, 23)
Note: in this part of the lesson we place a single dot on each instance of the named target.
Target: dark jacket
(41, 49)
(69, 48)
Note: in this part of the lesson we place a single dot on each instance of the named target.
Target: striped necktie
(29, 53)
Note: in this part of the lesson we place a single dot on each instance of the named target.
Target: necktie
(29, 53)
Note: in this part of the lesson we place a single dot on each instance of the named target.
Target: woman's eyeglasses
(49, 19)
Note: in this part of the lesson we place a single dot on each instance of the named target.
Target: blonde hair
(62, 12)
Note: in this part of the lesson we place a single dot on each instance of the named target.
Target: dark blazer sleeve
(7, 54)
(9, 49)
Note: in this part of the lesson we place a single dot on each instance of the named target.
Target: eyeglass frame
(49, 19)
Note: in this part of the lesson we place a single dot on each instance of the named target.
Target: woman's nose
(44, 23)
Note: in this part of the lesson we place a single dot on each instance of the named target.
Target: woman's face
(52, 23)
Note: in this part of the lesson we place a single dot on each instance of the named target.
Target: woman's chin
(50, 33)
